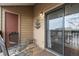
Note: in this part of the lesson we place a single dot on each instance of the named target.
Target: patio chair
(13, 38)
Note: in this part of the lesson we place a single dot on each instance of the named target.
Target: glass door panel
(71, 29)
(63, 30)
(55, 28)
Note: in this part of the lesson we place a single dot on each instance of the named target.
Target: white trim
(10, 12)
(45, 20)
(3, 22)
(53, 7)
(53, 52)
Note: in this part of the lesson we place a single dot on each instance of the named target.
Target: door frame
(57, 7)
(4, 25)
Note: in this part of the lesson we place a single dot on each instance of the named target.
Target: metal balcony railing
(3, 48)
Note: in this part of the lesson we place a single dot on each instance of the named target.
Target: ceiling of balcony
(17, 4)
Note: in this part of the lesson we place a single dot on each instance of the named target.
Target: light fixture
(41, 13)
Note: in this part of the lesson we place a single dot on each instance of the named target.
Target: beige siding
(26, 16)
(39, 34)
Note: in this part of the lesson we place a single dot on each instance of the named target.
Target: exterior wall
(39, 34)
(27, 14)
(26, 17)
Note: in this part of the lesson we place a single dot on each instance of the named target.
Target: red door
(11, 25)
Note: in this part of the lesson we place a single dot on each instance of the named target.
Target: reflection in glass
(63, 30)
(72, 30)
(55, 31)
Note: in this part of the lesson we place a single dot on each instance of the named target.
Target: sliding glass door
(71, 29)
(55, 28)
(63, 30)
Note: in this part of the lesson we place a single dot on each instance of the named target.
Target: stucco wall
(26, 17)
(39, 34)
